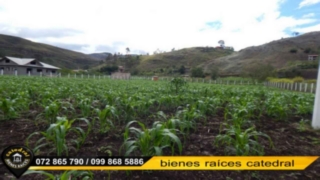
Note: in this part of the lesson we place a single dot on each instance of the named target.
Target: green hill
(19, 47)
(282, 55)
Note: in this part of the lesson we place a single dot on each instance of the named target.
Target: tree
(197, 72)
(128, 50)
(182, 70)
(221, 42)
(215, 73)
(172, 49)
(259, 71)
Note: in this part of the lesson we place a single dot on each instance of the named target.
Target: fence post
(50, 74)
(82, 76)
(40, 74)
(1, 72)
(29, 73)
(311, 88)
(75, 75)
(316, 107)
(305, 87)
(300, 87)
(295, 86)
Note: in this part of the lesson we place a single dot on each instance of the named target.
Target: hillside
(166, 63)
(19, 47)
(277, 53)
(188, 57)
(100, 56)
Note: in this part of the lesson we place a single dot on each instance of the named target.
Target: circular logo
(17, 159)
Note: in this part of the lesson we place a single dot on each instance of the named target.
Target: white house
(24, 66)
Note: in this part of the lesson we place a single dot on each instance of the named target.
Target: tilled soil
(287, 138)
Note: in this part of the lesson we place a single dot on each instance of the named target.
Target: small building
(24, 66)
(120, 74)
(312, 57)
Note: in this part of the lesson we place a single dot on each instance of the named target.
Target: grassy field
(101, 117)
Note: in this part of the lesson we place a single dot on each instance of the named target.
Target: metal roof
(25, 61)
(20, 61)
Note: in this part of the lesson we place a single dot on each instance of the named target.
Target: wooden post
(1, 71)
(82, 76)
(296, 86)
(311, 89)
(68, 75)
(316, 107)
(50, 74)
(29, 73)
(40, 74)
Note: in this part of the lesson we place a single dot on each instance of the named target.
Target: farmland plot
(80, 117)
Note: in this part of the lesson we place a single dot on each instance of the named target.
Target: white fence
(301, 87)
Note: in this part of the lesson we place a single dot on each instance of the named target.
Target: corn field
(106, 117)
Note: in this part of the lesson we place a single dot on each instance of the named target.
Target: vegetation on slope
(18, 47)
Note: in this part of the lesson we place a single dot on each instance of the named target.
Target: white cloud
(149, 25)
(308, 15)
(308, 29)
(305, 3)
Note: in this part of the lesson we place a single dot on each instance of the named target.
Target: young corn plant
(51, 111)
(105, 118)
(7, 108)
(66, 175)
(241, 143)
(149, 142)
(55, 137)
(177, 85)
(188, 116)
(85, 107)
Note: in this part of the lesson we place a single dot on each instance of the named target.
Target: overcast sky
(147, 25)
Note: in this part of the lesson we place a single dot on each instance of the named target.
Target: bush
(197, 72)
(293, 51)
(311, 81)
(281, 80)
(298, 79)
(308, 50)
(214, 73)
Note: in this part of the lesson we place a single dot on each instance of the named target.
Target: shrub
(293, 51)
(282, 80)
(308, 50)
(214, 73)
(298, 79)
(311, 81)
(197, 72)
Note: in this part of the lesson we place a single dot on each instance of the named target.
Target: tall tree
(221, 42)
(128, 50)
